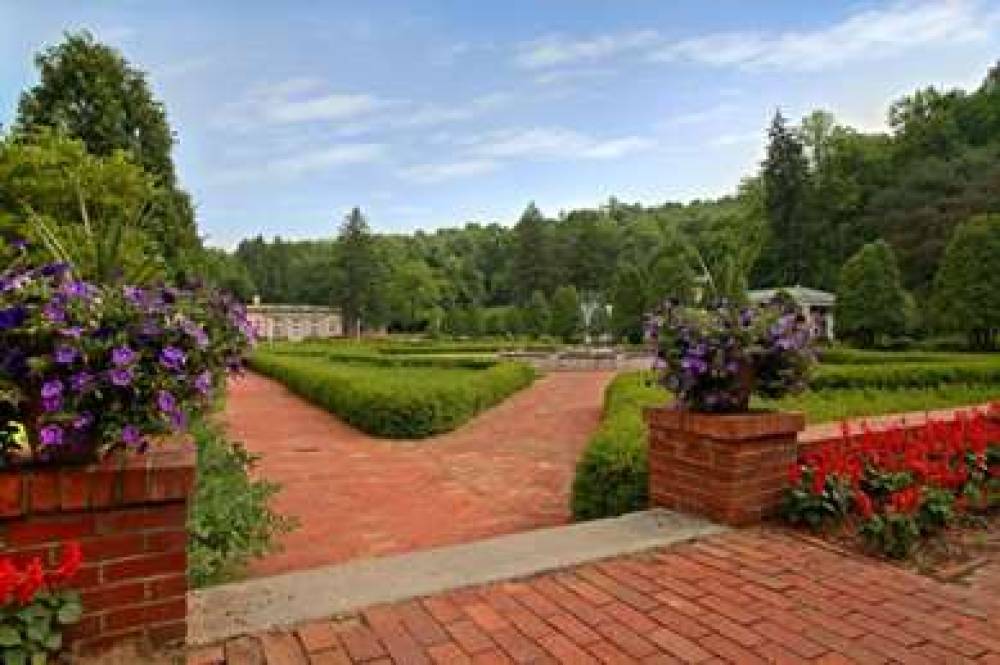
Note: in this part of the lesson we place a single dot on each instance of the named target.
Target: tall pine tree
(358, 289)
(533, 261)
(785, 176)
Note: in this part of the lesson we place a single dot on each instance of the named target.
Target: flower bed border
(129, 513)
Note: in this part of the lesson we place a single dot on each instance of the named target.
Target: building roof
(265, 308)
(803, 295)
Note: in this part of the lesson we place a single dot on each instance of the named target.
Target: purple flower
(54, 312)
(80, 381)
(12, 317)
(122, 355)
(73, 331)
(166, 402)
(65, 355)
(77, 289)
(121, 376)
(83, 421)
(51, 435)
(172, 358)
(131, 435)
(53, 388)
(178, 420)
(51, 404)
(53, 269)
(203, 383)
(134, 295)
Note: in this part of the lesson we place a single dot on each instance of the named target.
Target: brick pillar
(129, 514)
(731, 468)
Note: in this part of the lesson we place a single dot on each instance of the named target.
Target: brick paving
(356, 496)
(752, 596)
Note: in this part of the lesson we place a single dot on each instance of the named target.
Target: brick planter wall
(731, 468)
(129, 513)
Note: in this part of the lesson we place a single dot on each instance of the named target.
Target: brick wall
(731, 468)
(129, 514)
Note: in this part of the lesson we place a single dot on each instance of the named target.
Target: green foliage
(567, 319)
(871, 303)
(90, 92)
(537, 316)
(395, 402)
(30, 634)
(894, 375)
(967, 287)
(612, 475)
(532, 259)
(358, 273)
(231, 521)
(817, 511)
(628, 304)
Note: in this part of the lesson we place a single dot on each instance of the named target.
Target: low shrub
(231, 521)
(395, 402)
(901, 485)
(847, 356)
(612, 475)
(907, 374)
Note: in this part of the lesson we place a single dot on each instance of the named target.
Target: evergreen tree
(358, 290)
(967, 287)
(532, 254)
(628, 304)
(871, 302)
(785, 179)
(567, 319)
(537, 316)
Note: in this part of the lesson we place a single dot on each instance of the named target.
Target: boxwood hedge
(399, 401)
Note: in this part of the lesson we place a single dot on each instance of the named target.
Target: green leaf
(69, 613)
(53, 642)
(15, 657)
(9, 637)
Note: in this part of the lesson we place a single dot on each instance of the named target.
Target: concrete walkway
(745, 597)
(357, 497)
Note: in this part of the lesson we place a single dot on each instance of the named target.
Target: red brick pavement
(356, 496)
(752, 596)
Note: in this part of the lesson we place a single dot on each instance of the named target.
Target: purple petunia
(51, 404)
(121, 376)
(77, 289)
(53, 388)
(81, 381)
(172, 358)
(122, 355)
(65, 355)
(72, 331)
(54, 312)
(51, 435)
(131, 435)
(203, 382)
(166, 401)
(83, 421)
(12, 317)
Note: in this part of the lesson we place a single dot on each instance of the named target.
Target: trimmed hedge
(399, 401)
(848, 356)
(368, 356)
(612, 476)
(907, 374)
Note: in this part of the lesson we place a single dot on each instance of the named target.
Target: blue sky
(430, 114)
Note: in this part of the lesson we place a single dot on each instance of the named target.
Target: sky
(432, 114)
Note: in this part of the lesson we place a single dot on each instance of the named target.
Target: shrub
(907, 374)
(85, 368)
(899, 485)
(404, 402)
(713, 359)
(871, 302)
(612, 475)
(231, 520)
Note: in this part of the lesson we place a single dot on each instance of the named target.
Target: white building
(817, 306)
(294, 322)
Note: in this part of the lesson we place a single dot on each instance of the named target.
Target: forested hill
(823, 191)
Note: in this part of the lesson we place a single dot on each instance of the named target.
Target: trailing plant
(714, 359)
(86, 368)
(36, 606)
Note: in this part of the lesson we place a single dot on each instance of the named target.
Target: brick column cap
(727, 426)
(165, 473)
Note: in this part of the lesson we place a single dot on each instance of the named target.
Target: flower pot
(730, 468)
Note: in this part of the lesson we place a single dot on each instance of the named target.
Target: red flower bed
(901, 484)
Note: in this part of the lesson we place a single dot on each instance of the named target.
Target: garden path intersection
(508, 470)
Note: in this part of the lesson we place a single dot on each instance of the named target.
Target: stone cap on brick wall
(726, 426)
(165, 473)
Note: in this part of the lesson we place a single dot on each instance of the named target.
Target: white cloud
(553, 142)
(297, 100)
(863, 35)
(294, 165)
(738, 138)
(432, 114)
(439, 172)
(558, 50)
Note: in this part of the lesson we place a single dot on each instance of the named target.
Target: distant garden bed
(394, 399)
(611, 477)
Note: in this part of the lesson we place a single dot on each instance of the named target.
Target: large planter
(129, 513)
(731, 468)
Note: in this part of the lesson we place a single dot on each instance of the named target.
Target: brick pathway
(508, 470)
(744, 597)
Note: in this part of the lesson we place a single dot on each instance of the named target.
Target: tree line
(91, 149)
